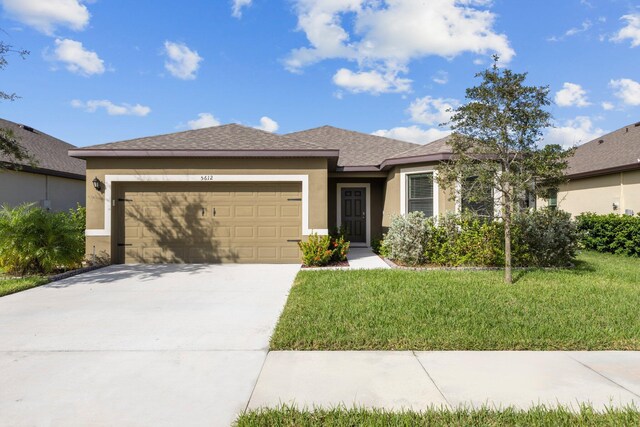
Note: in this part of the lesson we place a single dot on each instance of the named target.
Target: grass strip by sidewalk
(10, 286)
(539, 416)
(591, 307)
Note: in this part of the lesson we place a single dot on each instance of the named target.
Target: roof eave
(606, 171)
(438, 157)
(43, 171)
(86, 153)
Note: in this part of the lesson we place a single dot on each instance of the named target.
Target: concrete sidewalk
(419, 380)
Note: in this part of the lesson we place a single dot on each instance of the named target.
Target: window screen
(421, 193)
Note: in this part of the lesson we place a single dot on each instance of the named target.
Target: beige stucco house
(236, 194)
(604, 175)
(55, 181)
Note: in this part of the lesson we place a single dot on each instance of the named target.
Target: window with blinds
(420, 193)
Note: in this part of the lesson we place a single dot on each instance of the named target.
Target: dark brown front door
(354, 214)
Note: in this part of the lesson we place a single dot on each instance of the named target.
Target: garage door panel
(175, 222)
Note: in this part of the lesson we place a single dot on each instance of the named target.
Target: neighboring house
(236, 194)
(56, 181)
(604, 175)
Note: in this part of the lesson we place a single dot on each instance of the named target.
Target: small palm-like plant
(35, 241)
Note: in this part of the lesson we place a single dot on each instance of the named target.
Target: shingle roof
(438, 146)
(356, 149)
(51, 154)
(216, 138)
(618, 149)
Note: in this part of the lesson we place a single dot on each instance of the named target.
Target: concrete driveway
(139, 345)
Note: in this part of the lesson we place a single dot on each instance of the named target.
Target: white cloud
(237, 6)
(386, 36)
(573, 132)
(441, 77)
(607, 106)
(182, 62)
(432, 111)
(268, 124)
(572, 95)
(112, 109)
(413, 134)
(77, 59)
(585, 26)
(627, 90)
(46, 15)
(631, 31)
(204, 120)
(370, 81)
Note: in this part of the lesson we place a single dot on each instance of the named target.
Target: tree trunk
(508, 278)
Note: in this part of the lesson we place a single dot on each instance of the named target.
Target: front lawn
(10, 286)
(591, 307)
(541, 416)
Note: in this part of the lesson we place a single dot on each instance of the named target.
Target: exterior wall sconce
(96, 184)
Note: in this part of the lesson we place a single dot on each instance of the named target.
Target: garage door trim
(110, 179)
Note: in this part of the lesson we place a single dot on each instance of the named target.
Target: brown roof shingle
(356, 149)
(618, 149)
(51, 154)
(216, 138)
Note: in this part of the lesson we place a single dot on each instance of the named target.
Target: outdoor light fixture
(96, 183)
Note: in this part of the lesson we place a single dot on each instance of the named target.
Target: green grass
(540, 416)
(10, 286)
(591, 307)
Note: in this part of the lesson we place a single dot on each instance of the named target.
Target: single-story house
(236, 194)
(604, 175)
(55, 181)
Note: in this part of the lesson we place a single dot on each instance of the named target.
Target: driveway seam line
(602, 375)
(255, 384)
(431, 379)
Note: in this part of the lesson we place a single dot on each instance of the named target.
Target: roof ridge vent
(600, 141)
(637, 124)
(28, 128)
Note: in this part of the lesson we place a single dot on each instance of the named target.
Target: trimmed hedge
(541, 238)
(617, 234)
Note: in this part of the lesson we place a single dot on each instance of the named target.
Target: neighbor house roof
(357, 150)
(50, 154)
(613, 152)
(230, 140)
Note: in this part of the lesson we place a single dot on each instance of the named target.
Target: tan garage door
(209, 222)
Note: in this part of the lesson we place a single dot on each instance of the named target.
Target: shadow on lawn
(579, 268)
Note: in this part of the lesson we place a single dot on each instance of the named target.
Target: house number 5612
(206, 178)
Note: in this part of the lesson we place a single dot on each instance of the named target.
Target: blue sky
(103, 71)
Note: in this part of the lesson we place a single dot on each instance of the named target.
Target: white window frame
(367, 188)
(110, 179)
(404, 182)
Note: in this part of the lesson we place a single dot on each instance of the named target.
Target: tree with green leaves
(495, 145)
(10, 148)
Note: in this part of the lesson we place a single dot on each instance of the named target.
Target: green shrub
(316, 251)
(618, 234)
(407, 238)
(465, 241)
(376, 245)
(544, 238)
(340, 247)
(35, 241)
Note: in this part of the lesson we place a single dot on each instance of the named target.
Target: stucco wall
(99, 167)
(17, 187)
(598, 194)
(392, 202)
(376, 201)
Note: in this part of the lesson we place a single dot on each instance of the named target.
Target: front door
(354, 214)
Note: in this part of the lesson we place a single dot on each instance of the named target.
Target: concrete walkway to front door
(364, 259)
(395, 380)
(139, 345)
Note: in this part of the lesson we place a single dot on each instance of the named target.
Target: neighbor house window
(420, 189)
(553, 199)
